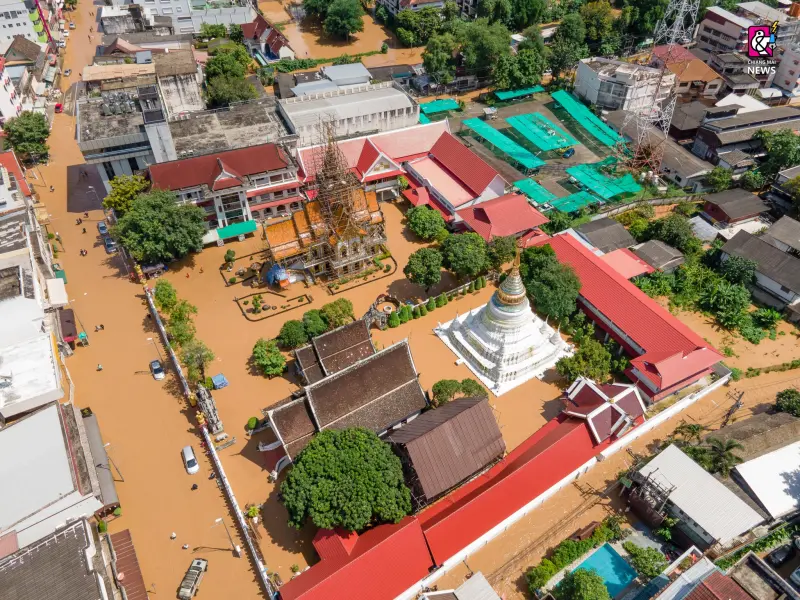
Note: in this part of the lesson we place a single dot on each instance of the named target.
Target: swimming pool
(607, 563)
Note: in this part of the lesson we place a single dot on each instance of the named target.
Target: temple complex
(504, 343)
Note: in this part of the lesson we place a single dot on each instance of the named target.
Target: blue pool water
(607, 563)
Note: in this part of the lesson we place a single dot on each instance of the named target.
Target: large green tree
(424, 268)
(553, 286)
(423, 23)
(599, 21)
(648, 562)
(502, 250)
(196, 356)
(738, 269)
(338, 313)
(581, 584)
(644, 15)
(292, 334)
(314, 323)
(231, 60)
(465, 254)
(564, 55)
(235, 33)
(425, 222)
(675, 230)
(158, 229)
(720, 179)
(782, 151)
(571, 29)
(165, 296)
(124, 190)
(438, 57)
(267, 358)
(753, 180)
(27, 134)
(523, 69)
(225, 89)
(346, 478)
(344, 18)
(591, 360)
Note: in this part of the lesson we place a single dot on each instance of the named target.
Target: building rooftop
(340, 72)
(701, 497)
(606, 234)
(12, 233)
(93, 73)
(239, 126)
(786, 231)
(693, 69)
(27, 48)
(176, 62)
(618, 69)
(771, 479)
(626, 263)
(745, 101)
(678, 53)
(443, 181)
(93, 125)
(335, 350)
(507, 215)
(779, 266)
(469, 168)
(659, 255)
(148, 37)
(760, 581)
(58, 566)
(35, 375)
(716, 587)
(763, 11)
(447, 445)
(306, 111)
(737, 203)
(729, 16)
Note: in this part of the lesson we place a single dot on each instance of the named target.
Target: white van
(189, 460)
(191, 581)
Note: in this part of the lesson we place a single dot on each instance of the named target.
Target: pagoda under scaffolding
(504, 342)
(339, 230)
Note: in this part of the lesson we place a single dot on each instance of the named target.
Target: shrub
(766, 317)
(232, 280)
(441, 300)
(295, 568)
(416, 313)
(230, 256)
(648, 562)
(788, 401)
(422, 310)
(292, 334)
(471, 287)
(431, 306)
(118, 511)
(394, 320)
(405, 314)
(384, 48)
(102, 527)
(252, 423)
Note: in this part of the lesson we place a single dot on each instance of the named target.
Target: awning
(69, 329)
(273, 188)
(237, 229)
(108, 490)
(50, 74)
(56, 292)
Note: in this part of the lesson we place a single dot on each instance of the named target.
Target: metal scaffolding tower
(654, 117)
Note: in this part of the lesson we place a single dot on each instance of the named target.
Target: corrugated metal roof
(772, 263)
(701, 497)
(772, 479)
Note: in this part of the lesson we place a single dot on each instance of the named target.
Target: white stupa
(504, 343)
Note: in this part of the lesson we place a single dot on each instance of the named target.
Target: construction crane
(653, 116)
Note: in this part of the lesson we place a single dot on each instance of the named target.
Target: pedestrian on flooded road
(173, 535)
(99, 367)
(84, 230)
(194, 486)
(185, 546)
(52, 189)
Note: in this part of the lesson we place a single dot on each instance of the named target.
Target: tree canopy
(553, 286)
(425, 222)
(231, 60)
(267, 358)
(720, 179)
(523, 69)
(591, 360)
(424, 268)
(572, 29)
(648, 562)
(728, 301)
(27, 134)
(196, 356)
(208, 31)
(124, 190)
(738, 269)
(502, 250)
(581, 584)
(788, 401)
(346, 478)
(314, 323)
(753, 180)
(165, 296)
(292, 334)
(465, 254)
(338, 313)
(158, 229)
(782, 151)
(598, 19)
(674, 230)
(224, 89)
(235, 33)
(438, 56)
(344, 18)
(423, 24)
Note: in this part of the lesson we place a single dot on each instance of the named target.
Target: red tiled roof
(369, 153)
(679, 53)
(383, 175)
(275, 40)
(130, 574)
(665, 369)
(626, 263)
(334, 543)
(466, 166)
(191, 172)
(384, 562)
(718, 587)
(256, 28)
(9, 160)
(507, 215)
(644, 321)
(419, 196)
(544, 459)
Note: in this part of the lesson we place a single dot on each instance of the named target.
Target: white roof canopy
(773, 478)
(57, 292)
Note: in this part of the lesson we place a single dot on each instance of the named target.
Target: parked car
(191, 581)
(102, 227)
(110, 245)
(795, 577)
(157, 370)
(796, 541)
(189, 460)
(71, 25)
(780, 555)
(569, 153)
(65, 34)
(68, 72)
(59, 108)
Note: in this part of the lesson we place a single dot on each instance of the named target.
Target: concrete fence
(616, 210)
(187, 392)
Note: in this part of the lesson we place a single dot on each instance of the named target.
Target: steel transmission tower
(654, 115)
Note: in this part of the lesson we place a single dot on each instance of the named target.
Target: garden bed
(374, 273)
(284, 305)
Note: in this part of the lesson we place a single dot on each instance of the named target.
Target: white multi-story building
(722, 31)
(188, 15)
(617, 85)
(787, 75)
(21, 17)
(10, 98)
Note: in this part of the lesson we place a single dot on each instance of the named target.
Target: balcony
(34, 15)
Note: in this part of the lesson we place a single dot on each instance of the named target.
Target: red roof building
(507, 215)
(609, 410)
(380, 563)
(668, 355)
(718, 587)
(258, 182)
(626, 263)
(262, 37)
(9, 160)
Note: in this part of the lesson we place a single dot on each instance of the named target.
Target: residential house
(722, 31)
(784, 235)
(743, 103)
(687, 118)
(132, 18)
(606, 235)
(733, 206)
(451, 178)
(738, 133)
(354, 110)
(760, 581)
(777, 275)
(708, 513)
(787, 75)
(733, 66)
(379, 392)
(128, 44)
(506, 215)
(763, 14)
(665, 54)
(780, 194)
(446, 446)
(248, 184)
(617, 85)
(678, 164)
(695, 79)
(659, 255)
(26, 64)
(737, 162)
(765, 479)
(265, 42)
(667, 356)
(10, 98)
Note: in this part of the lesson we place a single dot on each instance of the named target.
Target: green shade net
(503, 143)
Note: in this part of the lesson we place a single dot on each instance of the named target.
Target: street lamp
(234, 547)
(93, 191)
(111, 460)
(156, 346)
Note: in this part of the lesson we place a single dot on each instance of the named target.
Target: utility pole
(736, 406)
(113, 464)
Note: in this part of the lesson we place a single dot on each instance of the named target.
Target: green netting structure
(605, 187)
(534, 191)
(511, 94)
(504, 144)
(541, 132)
(423, 119)
(437, 106)
(574, 201)
(587, 119)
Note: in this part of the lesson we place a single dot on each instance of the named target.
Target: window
(109, 170)
(182, 19)
(178, 9)
(166, 11)
(132, 164)
(785, 289)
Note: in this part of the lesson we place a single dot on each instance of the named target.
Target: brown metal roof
(308, 364)
(447, 445)
(343, 347)
(128, 569)
(293, 424)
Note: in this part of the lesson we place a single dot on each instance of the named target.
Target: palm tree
(722, 456)
(690, 432)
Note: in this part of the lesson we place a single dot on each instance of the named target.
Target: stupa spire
(512, 291)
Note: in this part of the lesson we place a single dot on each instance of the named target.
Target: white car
(65, 34)
(157, 370)
(189, 460)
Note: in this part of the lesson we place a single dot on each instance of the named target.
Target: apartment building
(722, 31)
(188, 15)
(733, 66)
(787, 75)
(10, 98)
(617, 85)
(763, 14)
(22, 17)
